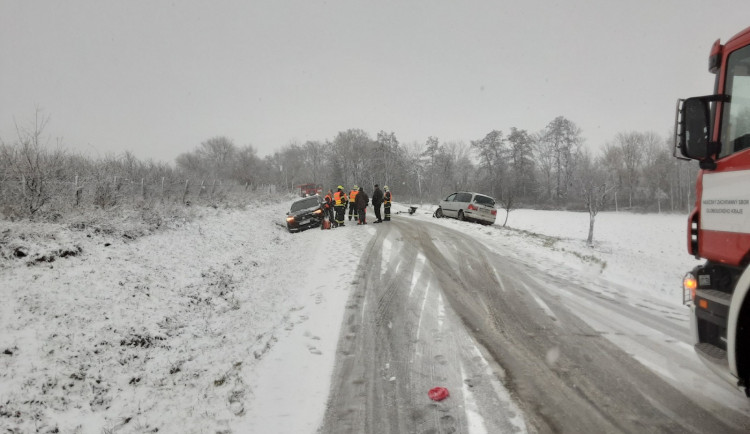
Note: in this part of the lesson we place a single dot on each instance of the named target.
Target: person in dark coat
(377, 200)
(361, 203)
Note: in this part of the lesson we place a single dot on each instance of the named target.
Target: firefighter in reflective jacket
(339, 205)
(387, 198)
(352, 208)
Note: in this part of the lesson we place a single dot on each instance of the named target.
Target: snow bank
(101, 331)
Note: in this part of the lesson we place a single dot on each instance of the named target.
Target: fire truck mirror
(696, 118)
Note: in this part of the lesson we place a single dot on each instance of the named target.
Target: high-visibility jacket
(353, 195)
(387, 198)
(328, 200)
(339, 198)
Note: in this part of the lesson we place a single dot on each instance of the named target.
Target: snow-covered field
(227, 323)
(644, 253)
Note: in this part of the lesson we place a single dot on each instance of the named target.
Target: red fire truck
(310, 189)
(715, 130)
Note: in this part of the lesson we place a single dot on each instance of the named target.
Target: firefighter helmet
(385, 187)
(340, 187)
(355, 187)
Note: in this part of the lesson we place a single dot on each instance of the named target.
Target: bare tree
(387, 148)
(611, 161)
(218, 153)
(246, 166)
(350, 152)
(631, 150)
(493, 155)
(430, 162)
(593, 186)
(508, 195)
(545, 158)
(34, 166)
(521, 161)
(563, 139)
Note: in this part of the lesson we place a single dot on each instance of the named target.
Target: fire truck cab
(715, 130)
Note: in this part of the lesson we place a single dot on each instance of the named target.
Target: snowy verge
(148, 333)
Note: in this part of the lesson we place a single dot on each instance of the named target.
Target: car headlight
(290, 219)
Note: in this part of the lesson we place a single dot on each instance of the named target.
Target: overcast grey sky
(156, 77)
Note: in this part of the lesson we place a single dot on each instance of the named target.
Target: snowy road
(518, 349)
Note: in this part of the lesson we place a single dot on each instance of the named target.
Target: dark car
(305, 213)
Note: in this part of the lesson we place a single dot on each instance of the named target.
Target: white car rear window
(484, 200)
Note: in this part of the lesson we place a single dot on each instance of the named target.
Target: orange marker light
(690, 283)
(703, 304)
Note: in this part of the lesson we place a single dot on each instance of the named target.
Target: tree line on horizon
(548, 169)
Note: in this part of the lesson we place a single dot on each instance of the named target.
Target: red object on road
(438, 393)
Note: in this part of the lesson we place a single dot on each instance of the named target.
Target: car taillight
(494, 212)
(472, 207)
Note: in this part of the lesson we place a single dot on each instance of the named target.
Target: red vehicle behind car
(310, 189)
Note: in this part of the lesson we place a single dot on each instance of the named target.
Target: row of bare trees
(542, 169)
(40, 179)
(549, 168)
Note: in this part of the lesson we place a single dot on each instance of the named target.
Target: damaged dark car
(305, 213)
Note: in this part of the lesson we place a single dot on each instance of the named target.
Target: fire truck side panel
(725, 216)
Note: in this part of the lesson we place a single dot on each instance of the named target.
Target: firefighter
(387, 199)
(352, 207)
(339, 205)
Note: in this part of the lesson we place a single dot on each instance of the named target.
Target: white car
(465, 205)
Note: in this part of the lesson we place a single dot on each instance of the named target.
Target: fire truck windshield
(735, 131)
